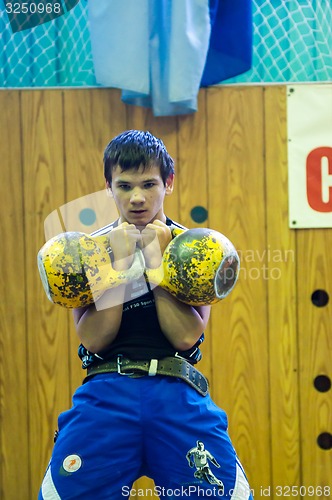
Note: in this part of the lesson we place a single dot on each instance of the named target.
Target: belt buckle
(119, 366)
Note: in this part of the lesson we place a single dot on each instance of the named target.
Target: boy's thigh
(189, 449)
(231, 489)
(99, 485)
(98, 449)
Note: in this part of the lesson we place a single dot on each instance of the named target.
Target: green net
(292, 42)
(51, 54)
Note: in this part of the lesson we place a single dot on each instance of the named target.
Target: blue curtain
(160, 52)
(230, 46)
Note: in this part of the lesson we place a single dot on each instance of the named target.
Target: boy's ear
(170, 184)
(109, 189)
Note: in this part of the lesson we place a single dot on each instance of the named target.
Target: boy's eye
(125, 187)
(149, 185)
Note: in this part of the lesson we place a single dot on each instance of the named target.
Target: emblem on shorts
(72, 463)
(199, 457)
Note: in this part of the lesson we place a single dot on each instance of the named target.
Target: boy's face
(139, 194)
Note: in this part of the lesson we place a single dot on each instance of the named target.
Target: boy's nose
(137, 196)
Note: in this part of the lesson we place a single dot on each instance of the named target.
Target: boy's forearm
(98, 324)
(182, 324)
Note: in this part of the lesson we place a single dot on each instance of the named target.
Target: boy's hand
(154, 239)
(123, 240)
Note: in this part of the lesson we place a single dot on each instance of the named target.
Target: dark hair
(134, 148)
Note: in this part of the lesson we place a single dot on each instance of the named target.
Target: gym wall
(266, 343)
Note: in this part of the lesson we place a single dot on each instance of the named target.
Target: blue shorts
(121, 428)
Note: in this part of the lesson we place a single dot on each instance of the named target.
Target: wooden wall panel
(14, 468)
(239, 323)
(282, 325)
(314, 264)
(47, 328)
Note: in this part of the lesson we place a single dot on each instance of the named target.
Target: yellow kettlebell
(76, 269)
(199, 267)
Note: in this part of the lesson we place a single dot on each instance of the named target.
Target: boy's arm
(98, 324)
(182, 324)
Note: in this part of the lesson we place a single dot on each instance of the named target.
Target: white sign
(309, 120)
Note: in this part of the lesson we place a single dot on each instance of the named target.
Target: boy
(143, 406)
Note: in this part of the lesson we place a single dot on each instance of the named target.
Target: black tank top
(140, 336)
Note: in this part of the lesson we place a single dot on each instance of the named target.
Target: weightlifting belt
(170, 366)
